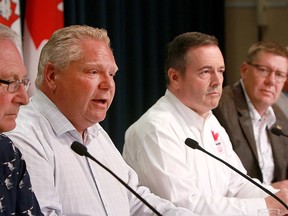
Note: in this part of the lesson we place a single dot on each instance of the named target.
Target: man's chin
(7, 127)
(214, 104)
(99, 118)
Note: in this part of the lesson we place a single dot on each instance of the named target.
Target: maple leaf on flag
(7, 12)
(50, 14)
(42, 19)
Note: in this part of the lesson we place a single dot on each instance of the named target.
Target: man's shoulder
(231, 104)
(228, 93)
(5, 143)
(28, 115)
(155, 117)
(7, 149)
(282, 103)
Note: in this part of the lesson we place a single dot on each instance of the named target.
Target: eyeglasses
(264, 71)
(14, 85)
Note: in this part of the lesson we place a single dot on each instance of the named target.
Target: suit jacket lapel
(244, 117)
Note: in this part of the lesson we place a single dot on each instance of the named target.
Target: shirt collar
(191, 117)
(255, 116)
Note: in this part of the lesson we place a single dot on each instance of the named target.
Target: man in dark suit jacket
(251, 100)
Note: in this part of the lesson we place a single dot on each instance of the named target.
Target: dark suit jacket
(233, 114)
(16, 195)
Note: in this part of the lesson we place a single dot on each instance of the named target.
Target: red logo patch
(215, 135)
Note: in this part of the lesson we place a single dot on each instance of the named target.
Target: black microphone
(277, 130)
(82, 150)
(195, 145)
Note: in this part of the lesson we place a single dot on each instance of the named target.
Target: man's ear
(244, 68)
(174, 78)
(49, 75)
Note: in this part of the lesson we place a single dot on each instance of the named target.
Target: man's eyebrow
(113, 68)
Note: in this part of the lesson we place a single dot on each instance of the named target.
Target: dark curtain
(139, 31)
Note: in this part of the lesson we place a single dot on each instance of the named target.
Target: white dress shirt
(68, 184)
(154, 147)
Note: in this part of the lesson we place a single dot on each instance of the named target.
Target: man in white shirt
(75, 83)
(154, 144)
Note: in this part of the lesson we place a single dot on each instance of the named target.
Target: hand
(273, 203)
(280, 184)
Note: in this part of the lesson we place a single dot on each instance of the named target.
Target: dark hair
(177, 49)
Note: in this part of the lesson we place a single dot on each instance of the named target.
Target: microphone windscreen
(276, 130)
(192, 143)
(79, 148)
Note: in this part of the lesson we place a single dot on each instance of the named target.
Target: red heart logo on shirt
(215, 135)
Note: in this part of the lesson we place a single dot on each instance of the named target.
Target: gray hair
(177, 49)
(266, 46)
(7, 33)
(64, 47)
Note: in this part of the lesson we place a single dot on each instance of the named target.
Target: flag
(10, 16)
(42, 18)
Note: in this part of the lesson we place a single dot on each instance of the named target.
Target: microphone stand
(82, 150)
(277, 130)
(195, 145)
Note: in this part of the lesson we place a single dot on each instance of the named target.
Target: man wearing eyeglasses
(247, 111)
(16, 195)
